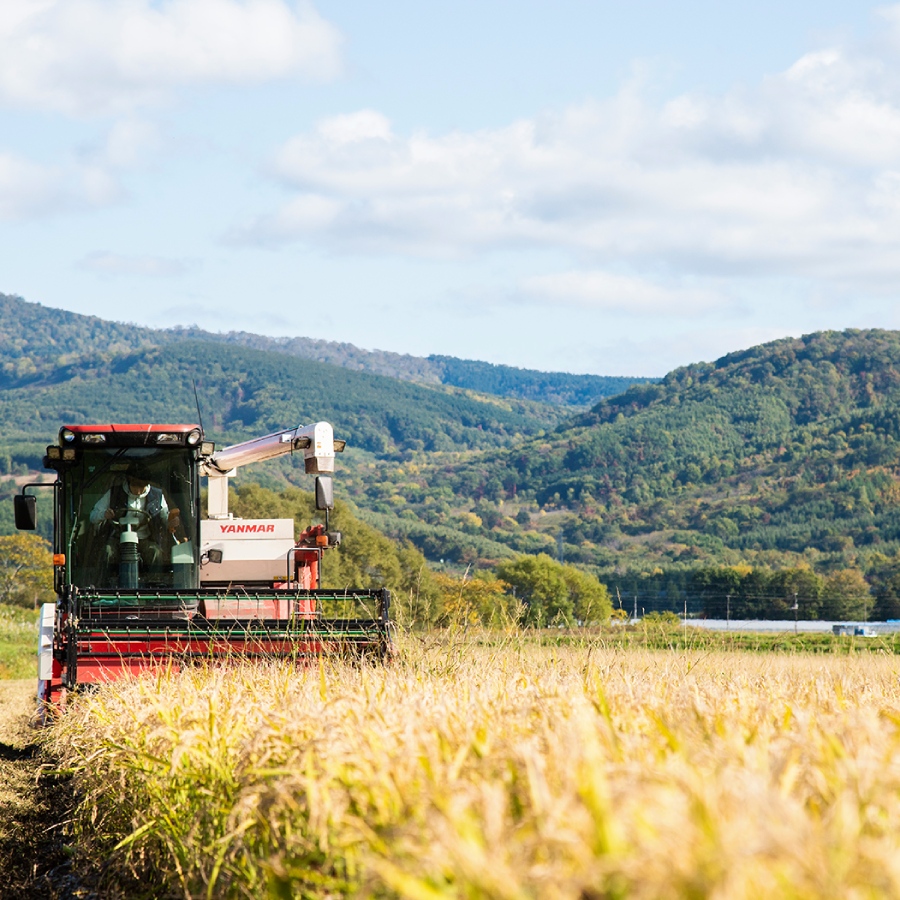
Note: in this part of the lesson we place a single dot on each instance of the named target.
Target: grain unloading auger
(141, 579)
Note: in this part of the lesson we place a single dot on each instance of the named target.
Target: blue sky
(592, 187)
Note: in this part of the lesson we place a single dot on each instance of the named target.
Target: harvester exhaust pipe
(128, 560)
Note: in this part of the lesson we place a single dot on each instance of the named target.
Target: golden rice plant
(511, 772)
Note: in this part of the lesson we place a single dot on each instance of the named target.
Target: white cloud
(129, 142)
(88, 57)
(106, 263)
(25, 188)
(30, 190)
(87, 179)
(796, 177)
(612, 292)
(361, 126)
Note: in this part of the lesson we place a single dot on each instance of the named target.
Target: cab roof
(130, 429)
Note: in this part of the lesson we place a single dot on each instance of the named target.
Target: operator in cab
(136, 496)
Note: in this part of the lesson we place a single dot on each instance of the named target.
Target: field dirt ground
(34, 806)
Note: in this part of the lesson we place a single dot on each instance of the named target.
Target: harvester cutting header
(141, 578)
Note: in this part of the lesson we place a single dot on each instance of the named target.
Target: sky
(596, 187)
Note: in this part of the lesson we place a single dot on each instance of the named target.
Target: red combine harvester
(141, 579)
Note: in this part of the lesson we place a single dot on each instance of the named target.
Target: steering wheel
(143, 517)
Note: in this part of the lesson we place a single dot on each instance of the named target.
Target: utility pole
(795, 607)
(728, 612)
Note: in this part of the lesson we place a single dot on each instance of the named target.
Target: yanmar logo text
(247, 529)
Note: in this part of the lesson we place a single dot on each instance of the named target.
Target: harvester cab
(141, 578)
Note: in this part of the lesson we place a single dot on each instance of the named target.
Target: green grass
(654, 637)
(18, 642)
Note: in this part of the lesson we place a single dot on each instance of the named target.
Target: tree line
(531, 590)
(745, 592)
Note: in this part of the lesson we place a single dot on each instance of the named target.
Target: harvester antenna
(197, 401)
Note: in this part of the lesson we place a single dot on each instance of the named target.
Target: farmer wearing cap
(135, 494)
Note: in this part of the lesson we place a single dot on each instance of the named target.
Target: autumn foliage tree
(26, 570)
(482, 600)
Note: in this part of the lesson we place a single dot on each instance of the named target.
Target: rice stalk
(511, 772)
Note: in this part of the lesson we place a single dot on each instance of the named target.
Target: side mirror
(26, 512)
(324, 492)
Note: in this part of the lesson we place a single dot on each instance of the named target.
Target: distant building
(857, 630)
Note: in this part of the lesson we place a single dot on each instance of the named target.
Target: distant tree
(482, 600)
(589, 597)
(845, 595)
(552, 592)
(887, 599)
(721, 589)
(26, 570)
(800, 585)
(538, 582)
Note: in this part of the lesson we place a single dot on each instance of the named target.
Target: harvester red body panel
(142, 580)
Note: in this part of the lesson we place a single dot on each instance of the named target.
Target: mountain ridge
(36, 339)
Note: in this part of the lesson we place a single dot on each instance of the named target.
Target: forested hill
(782, 454)
(246, 393)
(35, 340)
(528, 384)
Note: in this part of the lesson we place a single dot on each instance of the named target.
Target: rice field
(510, 771)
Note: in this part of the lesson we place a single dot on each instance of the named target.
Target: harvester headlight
(194, 437)
(68, 453)
(67, 435)
(339, 446)
(54, 453)
(207, 448)
(168, 439)
(93, 438)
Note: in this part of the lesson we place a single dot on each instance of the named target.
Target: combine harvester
(141, 579)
